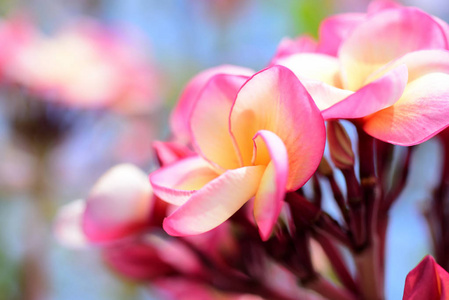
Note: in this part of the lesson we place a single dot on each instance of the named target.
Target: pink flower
(122, 217)
(427, 281)
(84, 65)
(388, 69)
(119, 205)
(256, 137)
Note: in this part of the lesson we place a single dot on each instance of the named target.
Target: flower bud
(340, 146)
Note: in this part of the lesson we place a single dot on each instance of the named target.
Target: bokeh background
(177, 39)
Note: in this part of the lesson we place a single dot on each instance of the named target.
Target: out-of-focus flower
(257, 137)
(427, 281)
(83, 65)
(388, 68)
(119, 205)
(122, 217)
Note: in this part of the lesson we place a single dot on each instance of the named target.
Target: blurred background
(87, 84)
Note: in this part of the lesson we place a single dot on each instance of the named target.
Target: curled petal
(271, 192)
(210, 121)
(336, 29)
(371, 98)
(118, 205)
(215, 202)
(276, 101)
(384, 37)
(419, 114)
(180, 117)
(177, 182)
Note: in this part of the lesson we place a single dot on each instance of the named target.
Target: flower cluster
(244, 145)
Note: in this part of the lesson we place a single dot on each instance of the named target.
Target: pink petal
(419, 114)
(136, 259)
(336, 29)
(324, 94)
(427, 280)
(276, 101)
(177, 182)
(380, 5)
(289, 47)
(371, 98)
(67, 228)
(175, 253)
(182, 288)
(215, 202)
(170, 152)
(314, 66)
(386, 36)
(210, 121)
(270, 150)
(418, 64)
(180, 117)
(118, 205)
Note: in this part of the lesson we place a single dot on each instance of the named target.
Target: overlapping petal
(287, 47)
(418, 63)
(314, 66)
(336, 29)
(177, 182)
(371, 98)
(275, 100)
(384, 37)
(180, 117)
(170, 152)
(270, 151)
(210, 121)
(215, 202)
(324, 94)
(419, 114)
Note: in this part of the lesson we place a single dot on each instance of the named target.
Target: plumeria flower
(119, 205)
(387, 69)
(84, 65)
(256, 137)
(121, 216)
(427, 280)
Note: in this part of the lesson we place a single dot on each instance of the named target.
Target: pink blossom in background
(84, 65)
(122, 217)
(427, 280)
(387, 69)
(119, 205)
(256, 137)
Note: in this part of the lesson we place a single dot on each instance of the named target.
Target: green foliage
(6, 7)
(9, 279)
(307, 15)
